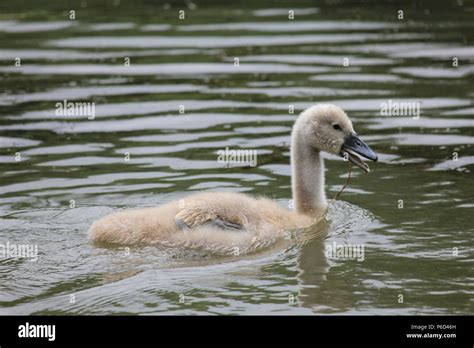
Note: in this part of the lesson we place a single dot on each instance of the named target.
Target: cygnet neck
(307, 177)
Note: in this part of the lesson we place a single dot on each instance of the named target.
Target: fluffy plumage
(234, 223)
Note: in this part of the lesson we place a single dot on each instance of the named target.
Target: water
(409, 251)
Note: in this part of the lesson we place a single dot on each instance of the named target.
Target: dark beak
(354, 147)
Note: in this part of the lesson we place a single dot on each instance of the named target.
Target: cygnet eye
(336, 127)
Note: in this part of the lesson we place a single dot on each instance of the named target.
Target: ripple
(172, 137)
(432, 139)
(289, 26)
(272, 12)
(138, 108)
(429, 72)
(111, 26)
(160, 69)
(67, 149)
(75, 93)
(182, 122)
(31, 27)
(156, 27)
(316, 59)
(438, 52)
(461, 162)
(298, 91)
(67, 55)
(381, 78)
(422, 122)
(221, 41)
(17, 142)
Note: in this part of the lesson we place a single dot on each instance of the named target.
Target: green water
(421, 252)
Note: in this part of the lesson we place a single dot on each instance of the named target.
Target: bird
(232, 223)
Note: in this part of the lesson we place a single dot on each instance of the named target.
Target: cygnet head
(326, 127)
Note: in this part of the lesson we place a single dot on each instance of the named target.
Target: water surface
(423, 251)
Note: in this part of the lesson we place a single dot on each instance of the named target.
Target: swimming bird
(234, 223)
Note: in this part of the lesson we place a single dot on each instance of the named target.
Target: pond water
(59, 173)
